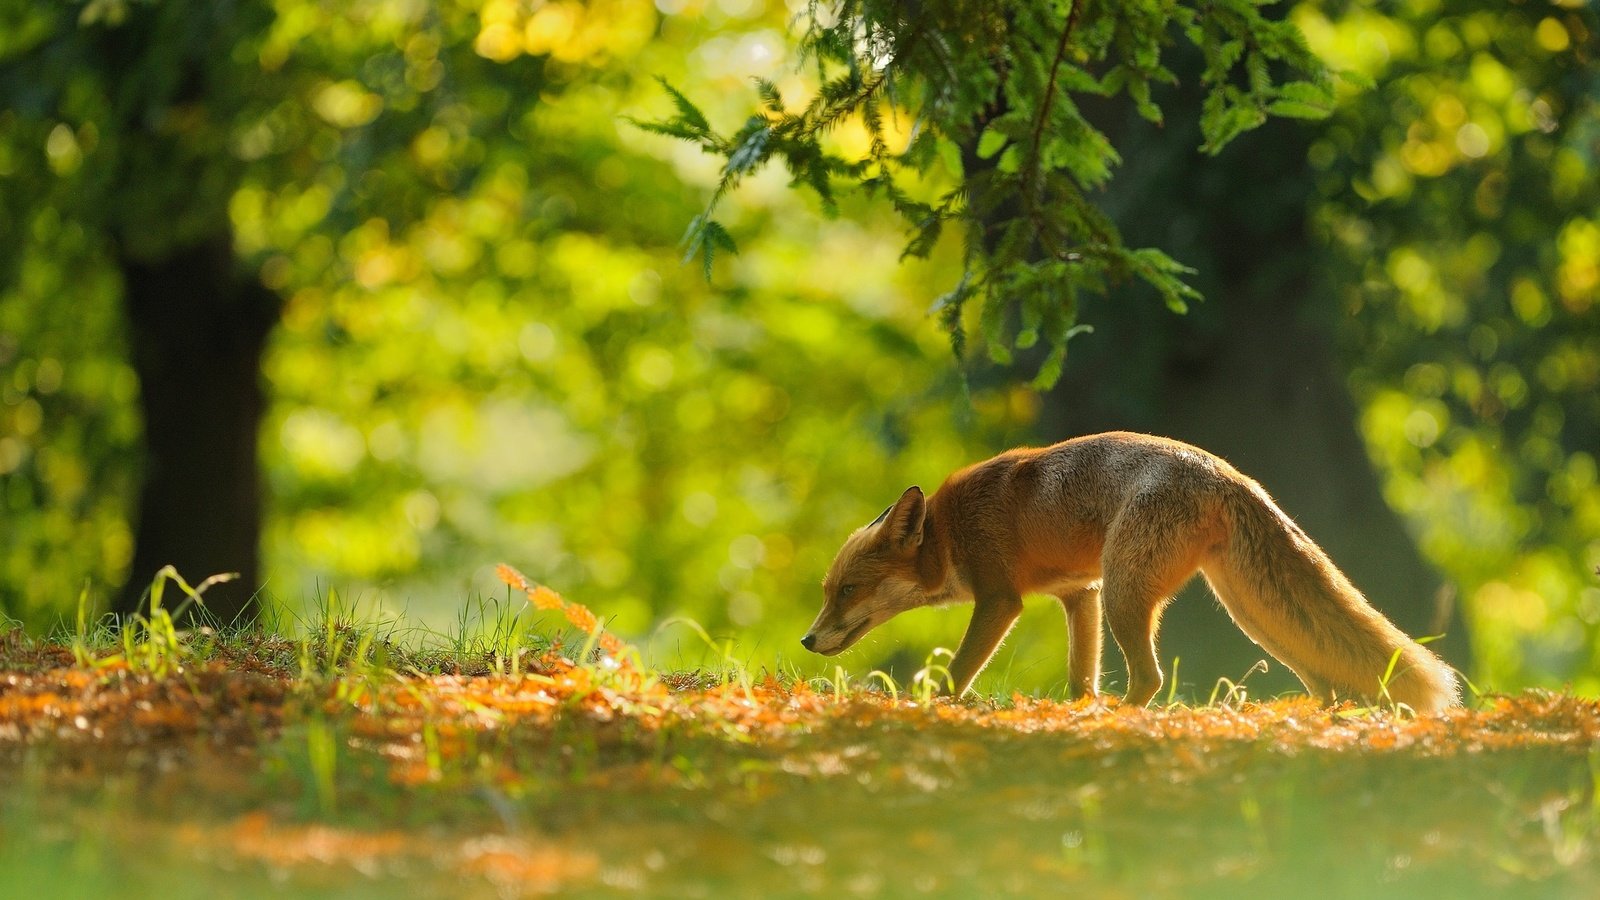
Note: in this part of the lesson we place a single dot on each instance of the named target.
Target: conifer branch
(985, 87)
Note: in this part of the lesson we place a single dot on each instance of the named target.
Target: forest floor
(336, 764)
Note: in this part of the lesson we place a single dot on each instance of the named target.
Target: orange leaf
(513, 578)
(543, 598)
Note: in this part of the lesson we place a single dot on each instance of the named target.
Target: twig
(1050, 90)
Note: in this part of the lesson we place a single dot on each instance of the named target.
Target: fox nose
(809, 642)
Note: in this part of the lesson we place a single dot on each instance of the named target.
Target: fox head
(873, 578)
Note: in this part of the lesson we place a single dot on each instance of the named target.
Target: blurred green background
(489, 351)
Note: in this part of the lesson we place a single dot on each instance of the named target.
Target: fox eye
(846, 591)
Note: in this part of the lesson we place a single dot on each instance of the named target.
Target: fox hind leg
(1151, 550)
(1133, 617)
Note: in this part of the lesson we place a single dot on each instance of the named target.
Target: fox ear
(903, 521)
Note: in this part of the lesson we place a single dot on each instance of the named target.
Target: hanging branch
(1057, 245)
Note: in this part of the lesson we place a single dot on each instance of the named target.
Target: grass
(359, 757)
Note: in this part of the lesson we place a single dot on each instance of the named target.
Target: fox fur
(1116, 523)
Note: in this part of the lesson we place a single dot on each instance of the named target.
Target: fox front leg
(992, 616)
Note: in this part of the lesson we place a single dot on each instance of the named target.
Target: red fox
(1120, 521)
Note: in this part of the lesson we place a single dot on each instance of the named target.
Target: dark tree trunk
(198, 328)
(1251, 374)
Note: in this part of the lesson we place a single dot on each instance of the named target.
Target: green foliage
(129, 129)
(997, 144)
(489, 349)
(1459, 199)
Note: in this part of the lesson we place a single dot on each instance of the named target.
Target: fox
(1112, 525)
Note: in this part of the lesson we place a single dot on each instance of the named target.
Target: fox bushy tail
(1285, 593)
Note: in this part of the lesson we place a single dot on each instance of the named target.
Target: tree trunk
(1251, 375)
(198, 328)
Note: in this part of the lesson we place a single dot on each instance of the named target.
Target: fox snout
(831, 635)
(828, 645)
(826, 636)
